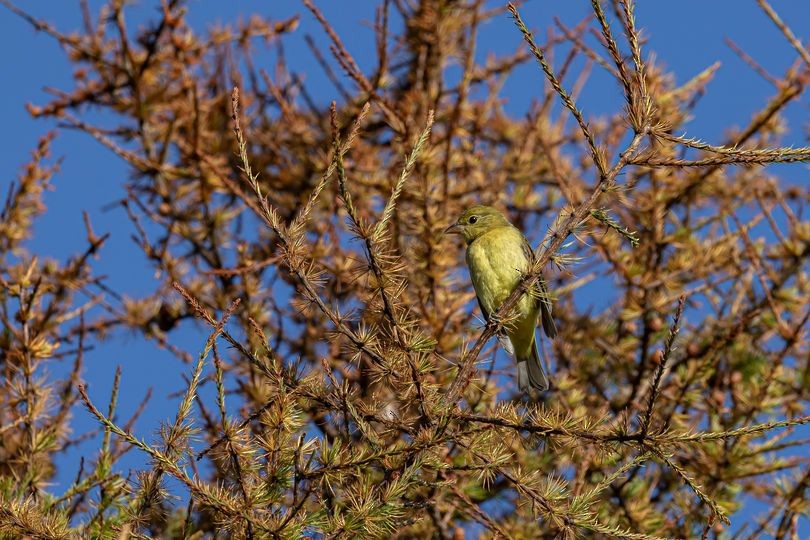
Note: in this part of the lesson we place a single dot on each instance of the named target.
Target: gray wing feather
(503, 339)
(542, 295)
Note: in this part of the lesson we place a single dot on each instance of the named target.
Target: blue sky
(91, 177)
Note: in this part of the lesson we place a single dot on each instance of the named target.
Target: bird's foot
(495, 320)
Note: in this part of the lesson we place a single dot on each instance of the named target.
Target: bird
(498, 256)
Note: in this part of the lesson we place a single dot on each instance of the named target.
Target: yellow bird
(498, 255)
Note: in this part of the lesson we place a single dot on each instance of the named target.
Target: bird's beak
(453, 229)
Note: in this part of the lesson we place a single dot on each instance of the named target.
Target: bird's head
(475, 221)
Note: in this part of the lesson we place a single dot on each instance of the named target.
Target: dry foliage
(357, 394)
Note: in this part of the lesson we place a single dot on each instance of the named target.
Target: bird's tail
(530, 372)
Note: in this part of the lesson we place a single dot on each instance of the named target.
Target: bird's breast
(496, 262)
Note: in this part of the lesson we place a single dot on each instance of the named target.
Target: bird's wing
(541, 292)
(503, 339)
(484, 311)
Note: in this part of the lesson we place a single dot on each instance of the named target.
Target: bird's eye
(473, 219)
